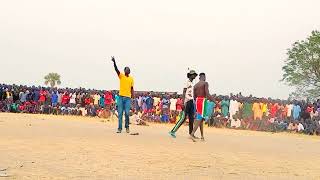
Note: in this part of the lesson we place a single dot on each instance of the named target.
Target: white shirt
(235, 123)
(83, 111)
(189, 92)
(73, 98)
(300, 127)
(173, 104)
(234, 107)
(290, 107)
(59, 97)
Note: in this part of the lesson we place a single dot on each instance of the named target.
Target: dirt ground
(64, 147)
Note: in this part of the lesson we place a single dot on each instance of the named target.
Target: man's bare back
(201, 89)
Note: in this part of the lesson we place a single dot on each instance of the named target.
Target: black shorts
(189, 109)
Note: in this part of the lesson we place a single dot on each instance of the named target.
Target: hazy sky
(240, 45)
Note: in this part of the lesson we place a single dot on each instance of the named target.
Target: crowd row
(234, 111)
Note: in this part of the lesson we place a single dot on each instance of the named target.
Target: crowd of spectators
(234, 111)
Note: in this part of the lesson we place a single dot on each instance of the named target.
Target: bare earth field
(64, 147)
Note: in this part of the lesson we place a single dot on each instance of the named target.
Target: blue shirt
(54, 98)
(36, 95)
(296, 111)
(24, 97)
(165, 103)
(149, 102)
(116, 99)
(101, 102)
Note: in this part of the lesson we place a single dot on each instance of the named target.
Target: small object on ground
(3, 169)
(3, 174)
(21, 165)
(134, 134)
(172, 134)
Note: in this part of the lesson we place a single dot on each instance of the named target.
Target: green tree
(52, 79)
(302, 67)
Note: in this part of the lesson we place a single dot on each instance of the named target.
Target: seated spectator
(235, 121)
(105, 114)
(300, 127)
(293, 127)
(137, 119)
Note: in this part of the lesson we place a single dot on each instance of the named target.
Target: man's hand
(113, 59)
(115, 65)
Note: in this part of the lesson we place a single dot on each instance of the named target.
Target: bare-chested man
(201, 95)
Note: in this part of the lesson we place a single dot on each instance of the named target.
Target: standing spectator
(289, 109)
(257, 110)
(73, 97)
(179, 104)
(225, 107)
(102, 101)
(296, 111)
(42, 96)
(108, 100)
(36, 95)
(96, 98)
(149, 103)
(233, 107)
(173, 105)
(165, 109)
(54, 98)
(65, 99)
(156, 101)
(23, 96)
(60, 94)
(8, 94)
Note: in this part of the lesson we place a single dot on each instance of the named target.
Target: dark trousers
(188, 111)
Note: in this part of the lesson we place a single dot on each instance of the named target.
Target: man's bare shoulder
(201, 83)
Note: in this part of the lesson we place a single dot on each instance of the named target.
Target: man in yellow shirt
(126, 92)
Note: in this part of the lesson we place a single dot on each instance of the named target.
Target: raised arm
(115, 65)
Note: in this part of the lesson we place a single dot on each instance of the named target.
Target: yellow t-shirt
(264, 108)
(125, 85)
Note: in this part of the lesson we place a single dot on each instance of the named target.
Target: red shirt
(108, 98)
(179, 104)
(22, 107)
(309, 109)
(65, 99)
(87, 101)
(273, 110)
(42, 96)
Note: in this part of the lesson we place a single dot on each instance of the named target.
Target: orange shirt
(257, 111)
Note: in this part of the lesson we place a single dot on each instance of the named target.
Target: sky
(240, 45)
